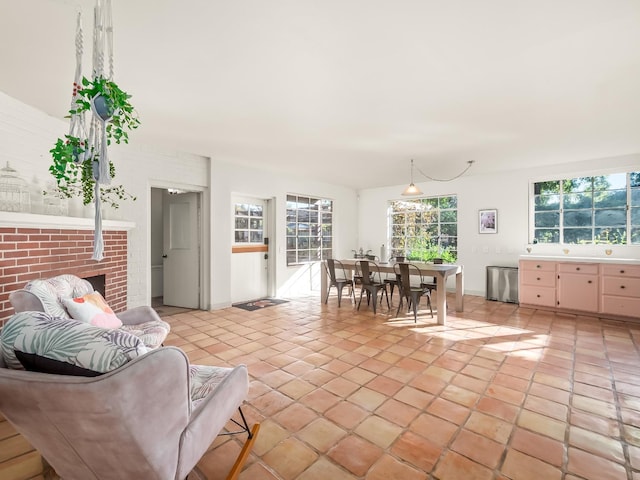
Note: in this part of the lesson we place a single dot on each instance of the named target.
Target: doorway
(176, 253)
(252, 248)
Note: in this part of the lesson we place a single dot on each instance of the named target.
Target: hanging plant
(111, 104)
(75, 161)
(74, 168)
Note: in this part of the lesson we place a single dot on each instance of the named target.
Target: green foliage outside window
(585, 210)
(424, 229)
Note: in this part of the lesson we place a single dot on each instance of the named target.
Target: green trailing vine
(123, 115)
(73, 161)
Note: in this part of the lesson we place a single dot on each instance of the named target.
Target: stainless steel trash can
(502, 284)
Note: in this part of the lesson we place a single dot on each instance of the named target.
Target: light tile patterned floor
(499, 393)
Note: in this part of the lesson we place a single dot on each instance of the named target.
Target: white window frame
(300, 220)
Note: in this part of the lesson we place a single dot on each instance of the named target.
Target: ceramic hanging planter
(102, 107)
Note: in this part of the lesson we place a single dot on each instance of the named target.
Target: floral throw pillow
(92, 309)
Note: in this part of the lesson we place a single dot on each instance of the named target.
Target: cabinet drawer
(620, 270)
(590, 268)
(625, 306)
(542, 278)
(624, 287)
(537, 266)
(543, 296)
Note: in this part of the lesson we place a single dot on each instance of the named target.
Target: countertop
(569, 258)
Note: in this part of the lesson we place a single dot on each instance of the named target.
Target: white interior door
(250, 249)
(181, 234)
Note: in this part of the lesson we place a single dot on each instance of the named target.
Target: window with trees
(424, 228)
(583, 210)
(309, 229)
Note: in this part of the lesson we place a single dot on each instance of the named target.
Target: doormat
(258, 304)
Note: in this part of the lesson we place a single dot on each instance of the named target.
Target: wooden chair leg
(244, 453)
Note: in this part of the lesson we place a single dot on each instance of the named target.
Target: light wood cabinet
(606, 289)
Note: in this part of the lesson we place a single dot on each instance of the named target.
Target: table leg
(324, 274)
(459, 291)
(441, 292)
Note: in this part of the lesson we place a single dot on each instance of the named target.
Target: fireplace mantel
(32, 220)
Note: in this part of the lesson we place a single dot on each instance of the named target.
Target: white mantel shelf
(569, 258)
(31, 220)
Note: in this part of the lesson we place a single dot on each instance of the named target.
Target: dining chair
(357, 277)
(339, 280)
(372, 283)
(412, 293)
(393, 279)
(433, 285)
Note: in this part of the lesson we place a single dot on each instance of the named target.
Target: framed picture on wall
(488, 221)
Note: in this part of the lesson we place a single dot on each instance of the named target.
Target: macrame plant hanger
(102, 42)
(77, 126)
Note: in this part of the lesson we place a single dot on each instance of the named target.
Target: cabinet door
(578, 291)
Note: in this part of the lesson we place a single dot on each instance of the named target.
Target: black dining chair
(434, 284)
(412, 293)
(372, 283)
(393, 279)
(339, 280)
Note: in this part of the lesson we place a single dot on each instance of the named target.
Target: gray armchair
(152, 417)
(48, 295)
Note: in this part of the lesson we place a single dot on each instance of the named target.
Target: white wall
(27, 135)
(508, 192)
(228, 179)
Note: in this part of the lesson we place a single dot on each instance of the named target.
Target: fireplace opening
(98, 283)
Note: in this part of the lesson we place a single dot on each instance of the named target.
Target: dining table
(441, 272)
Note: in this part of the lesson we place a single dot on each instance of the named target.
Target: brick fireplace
(27, 253)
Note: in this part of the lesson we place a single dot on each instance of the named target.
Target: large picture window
(309, 229)
(584, 210)
(424, 228)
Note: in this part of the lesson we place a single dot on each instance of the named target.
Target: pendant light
(412, 190)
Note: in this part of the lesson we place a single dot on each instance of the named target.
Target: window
(249, 223)
(582, 210)
(309, 229)
(425, 228)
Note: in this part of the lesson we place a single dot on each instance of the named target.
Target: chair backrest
(123, 424)
(331, 267)
(370, 272)
(437, 261)
(47, 295)
(405, 280)
(407, 270)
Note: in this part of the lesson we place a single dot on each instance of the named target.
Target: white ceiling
(350, 90)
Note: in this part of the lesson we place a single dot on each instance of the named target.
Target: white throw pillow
(92, 309)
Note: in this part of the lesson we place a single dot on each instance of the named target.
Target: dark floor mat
(258, 304)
